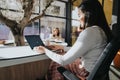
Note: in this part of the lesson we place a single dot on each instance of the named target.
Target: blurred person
(55, 34)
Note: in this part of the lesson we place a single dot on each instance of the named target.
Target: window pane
(56, 8)
(75, 24)
(4, 32)
(32, 29)
(49, 23)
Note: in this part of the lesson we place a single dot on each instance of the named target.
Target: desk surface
(18, 55)
(16, 52)
(59, 43)
(55, 42)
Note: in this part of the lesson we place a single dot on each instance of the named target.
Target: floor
(114, 73)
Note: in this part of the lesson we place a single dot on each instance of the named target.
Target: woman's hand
(39, 49)
(55, 47)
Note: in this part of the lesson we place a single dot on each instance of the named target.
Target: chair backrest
(101, 69)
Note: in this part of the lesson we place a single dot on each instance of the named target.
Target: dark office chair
(101, 69)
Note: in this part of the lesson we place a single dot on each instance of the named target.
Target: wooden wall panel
(27, 71)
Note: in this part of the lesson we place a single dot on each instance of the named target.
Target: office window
(49, 23)
(54, 17)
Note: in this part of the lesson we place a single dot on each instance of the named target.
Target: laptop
(34, 40)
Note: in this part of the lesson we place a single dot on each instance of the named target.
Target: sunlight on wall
(75, 17)
(108, 9)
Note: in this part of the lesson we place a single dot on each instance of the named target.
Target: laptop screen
(34, 40)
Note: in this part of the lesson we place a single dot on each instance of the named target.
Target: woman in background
(56, 35)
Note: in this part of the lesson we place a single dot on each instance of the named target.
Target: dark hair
(94, 15)
(58, 31)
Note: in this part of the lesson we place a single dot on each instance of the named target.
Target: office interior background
(59, 13)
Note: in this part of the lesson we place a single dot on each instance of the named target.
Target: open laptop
(34, 40)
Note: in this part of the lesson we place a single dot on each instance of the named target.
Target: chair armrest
(67, 74)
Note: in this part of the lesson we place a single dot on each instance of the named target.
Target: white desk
(1, 45)
(18, 55)
(7, 42)
(59, 43)
(54, 42)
